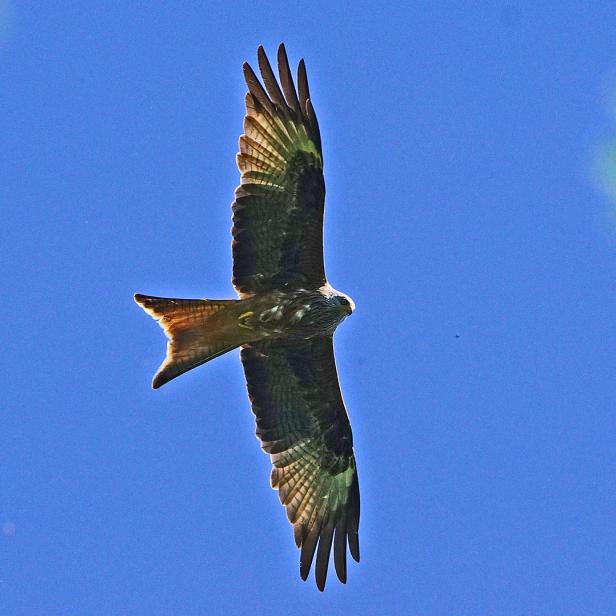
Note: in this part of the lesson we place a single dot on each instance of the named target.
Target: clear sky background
(465, 218)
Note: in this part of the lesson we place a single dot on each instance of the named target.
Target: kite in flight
(284, 319)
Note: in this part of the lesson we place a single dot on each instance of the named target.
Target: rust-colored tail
(198, 330)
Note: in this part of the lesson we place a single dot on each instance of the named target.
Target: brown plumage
(284, 319)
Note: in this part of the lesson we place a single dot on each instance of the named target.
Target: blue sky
(463, 217)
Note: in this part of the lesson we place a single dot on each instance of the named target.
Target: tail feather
(198, 330)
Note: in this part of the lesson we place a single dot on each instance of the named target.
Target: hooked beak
(345, 310)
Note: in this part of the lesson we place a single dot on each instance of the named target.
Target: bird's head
(347, 305)
(342, 303)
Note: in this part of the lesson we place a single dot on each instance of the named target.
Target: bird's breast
(302, 314)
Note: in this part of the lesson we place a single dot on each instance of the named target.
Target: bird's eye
(344, 301)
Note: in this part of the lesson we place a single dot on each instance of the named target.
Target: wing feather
(256, 89)
(340, 549)
(302, 423)
(271, 84)
(325, 545)
(286, 80)
(302, 85)
(278, 207)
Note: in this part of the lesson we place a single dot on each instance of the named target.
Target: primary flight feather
(284, 319)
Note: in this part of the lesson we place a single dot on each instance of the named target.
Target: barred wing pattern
(302, 423)
(278, 207)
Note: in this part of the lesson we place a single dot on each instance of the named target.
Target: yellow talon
(243, 316)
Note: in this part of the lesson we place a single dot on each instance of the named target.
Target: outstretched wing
(278, 207)
(302, 423)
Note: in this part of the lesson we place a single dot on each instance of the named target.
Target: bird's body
(284, 319)
(301, 313)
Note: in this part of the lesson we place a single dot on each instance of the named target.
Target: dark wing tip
(353, 536)
(325, 546)
(307, 551)
(340, 549)
(312, 120)
(286, 80)
(302, 86)
(261, 55)
(353, 519)
(271, 84)
(354, 546)
(250, 77)
(255, 88)
(249, 74)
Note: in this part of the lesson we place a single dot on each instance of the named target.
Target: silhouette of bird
(284, 319)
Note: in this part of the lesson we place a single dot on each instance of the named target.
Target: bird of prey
(284, 319)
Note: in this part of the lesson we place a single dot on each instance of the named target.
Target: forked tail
(198, 330)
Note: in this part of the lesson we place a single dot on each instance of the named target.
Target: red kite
(284, 319)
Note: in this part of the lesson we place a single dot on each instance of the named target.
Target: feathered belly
(297, 314)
